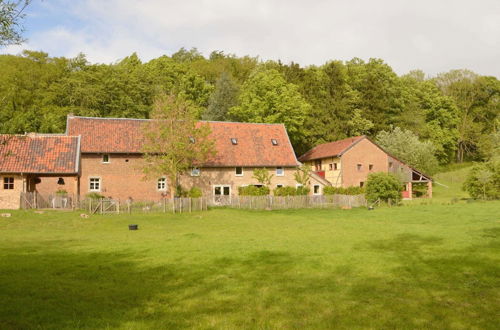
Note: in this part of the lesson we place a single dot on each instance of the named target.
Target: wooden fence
(182, 205)
(35, 200)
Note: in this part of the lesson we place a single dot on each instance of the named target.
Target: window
(274, 142)
(195, 171)
(317, 165)
(105, 158)
(162, 184)
(330, 167)
(370, 167)
(390, 164)
(280, 171)
(8, 183)
(298, 185)
(316, 189)
(335, 166)
(234, 141)
(95, 184)
(279, 186)
(361, 184)
(238, 171)
(359, 166)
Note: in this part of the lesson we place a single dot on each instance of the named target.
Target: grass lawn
(429, 266)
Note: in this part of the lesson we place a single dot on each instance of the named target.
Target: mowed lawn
(429, 266)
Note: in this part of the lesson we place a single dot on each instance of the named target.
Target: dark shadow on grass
(267, 289)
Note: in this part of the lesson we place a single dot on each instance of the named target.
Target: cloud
(434, 36)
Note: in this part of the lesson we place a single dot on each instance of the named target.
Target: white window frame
(99, 182)
(242, 171)
(222, 186)
(105, 162)
(282, 171)
(299, 185)
(195, 171)
(164, 183)
(319, 189)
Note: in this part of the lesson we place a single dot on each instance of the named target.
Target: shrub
(195, 192)
(353, 190)
(253, 191)
(301, 190)
(483, 181)
(285, 191)
(383, 186)
(61, 192)
(94, 195)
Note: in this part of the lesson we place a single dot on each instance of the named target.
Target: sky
(433, 36)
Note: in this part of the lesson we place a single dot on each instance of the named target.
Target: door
(222, 194)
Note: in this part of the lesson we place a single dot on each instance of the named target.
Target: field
(405, 267)
(428, 264)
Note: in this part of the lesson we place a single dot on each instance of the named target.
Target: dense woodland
(456, 113)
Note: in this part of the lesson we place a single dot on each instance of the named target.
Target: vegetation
(303, 175)
(353, 190)
(11, 16)
(302, 190)
(285, 191)
(455, 112)
(483, 180)
(432, 266)
(174, 142)
(384, 187)
(262, 176)
(195, 192)
(253, 191)
(94, 195)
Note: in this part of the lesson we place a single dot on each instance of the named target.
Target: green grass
(430, 266)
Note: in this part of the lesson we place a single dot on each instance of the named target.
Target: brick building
(26, 160)
(348, 162)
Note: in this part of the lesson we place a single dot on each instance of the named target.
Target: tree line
(455, 114)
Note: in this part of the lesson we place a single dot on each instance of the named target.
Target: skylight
(234, 141)
(274, 142)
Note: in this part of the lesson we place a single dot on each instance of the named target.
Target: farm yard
(403, 267)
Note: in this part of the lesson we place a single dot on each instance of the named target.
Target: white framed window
(94, 184)
(298, 185)
(280, 171)
(162, 184)
(234, 141)
(238, 171)
(105, 159)
(8, 183)
(195, 171)
(316, 189)
(274, 142)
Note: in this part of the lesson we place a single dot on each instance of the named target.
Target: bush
(353, 190)
(301, 190)
(253, 191)
(483, 181)
(383, 186)
(194, 192)
(285, 191)
(94, 195)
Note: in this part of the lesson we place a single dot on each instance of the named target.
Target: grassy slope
(407, 267)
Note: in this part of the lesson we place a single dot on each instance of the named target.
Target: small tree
(262, 176)
(483, 181)
(174, 141)
(303, 175)
(383, 186)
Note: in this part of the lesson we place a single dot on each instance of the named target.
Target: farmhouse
(112, 160)
(348, 162)
(25, 160)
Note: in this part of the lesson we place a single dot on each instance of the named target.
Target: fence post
(118, 206)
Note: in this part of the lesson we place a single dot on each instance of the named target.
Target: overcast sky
(434, 35)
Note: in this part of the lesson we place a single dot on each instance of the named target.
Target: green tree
(262, 176)
(483, 180)
(406, 146)
(174, 142)
(358, 125)
(384, 187)
(267, 98)
(303, 175)
(224, 97)
(11, 17)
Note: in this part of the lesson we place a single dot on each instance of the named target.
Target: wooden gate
(104, 206)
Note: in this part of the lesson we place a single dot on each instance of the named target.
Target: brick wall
(10, 198)
(364, 153)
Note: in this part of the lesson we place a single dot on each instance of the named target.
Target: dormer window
(234, 141)
(274, 142)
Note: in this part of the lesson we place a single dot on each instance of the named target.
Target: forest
(455, 113)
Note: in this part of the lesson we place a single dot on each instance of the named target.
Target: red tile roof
(254, 148)
(330, 149)
(42, 154)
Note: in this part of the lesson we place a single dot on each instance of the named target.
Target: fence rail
(34, 200)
